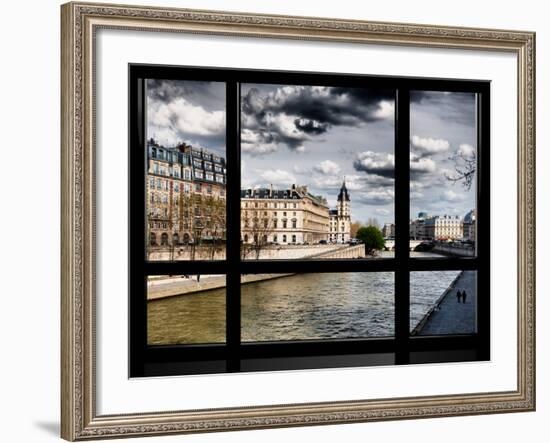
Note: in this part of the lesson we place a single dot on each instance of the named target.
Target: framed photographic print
(273, 221)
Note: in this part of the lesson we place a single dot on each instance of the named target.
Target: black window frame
(234, 356)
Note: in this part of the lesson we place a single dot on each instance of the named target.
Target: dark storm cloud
(209, 95)
(451, 106)
(310, 126)
(293, 115)
(375, 163)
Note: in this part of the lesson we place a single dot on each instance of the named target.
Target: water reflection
(319, 306)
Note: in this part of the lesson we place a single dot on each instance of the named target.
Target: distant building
(283, 216)
(436, 227)
(388, 231)
(469, 226)
(340, 218)
(185, 195)
(443, 227)
(417, 229)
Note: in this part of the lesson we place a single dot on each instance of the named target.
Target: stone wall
(461, 251)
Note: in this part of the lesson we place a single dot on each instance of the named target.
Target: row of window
(173, 157)
(284, 223)
(275, 238)
(268, 205)
(199, 174)
(185, 187)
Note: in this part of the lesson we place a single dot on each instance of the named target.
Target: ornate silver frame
(80, 21)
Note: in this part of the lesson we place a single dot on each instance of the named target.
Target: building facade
(469, 226)
(443, 227)
(185, 196)
(436, 227)
(388, 231)
(340, 218)
(417, 230)
(283, 216)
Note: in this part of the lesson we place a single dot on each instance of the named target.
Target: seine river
(297, 307)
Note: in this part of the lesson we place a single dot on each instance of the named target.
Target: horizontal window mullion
(317, 347)
(317, 266)
(443, 264)
(443, 342)
(170, 353)
(186, 267)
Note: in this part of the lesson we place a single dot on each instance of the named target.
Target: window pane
(185, 309)
(443, 302)
(443, 160)
(317, 306)
(185, 170)
(317, 166)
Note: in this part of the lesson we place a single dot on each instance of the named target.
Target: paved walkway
(181, 285)
(451, 317)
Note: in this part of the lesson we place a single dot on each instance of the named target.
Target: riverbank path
(452, 317)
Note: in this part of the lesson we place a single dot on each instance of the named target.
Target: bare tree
(256, 231)
(465, 168)
(214, 216)
(354, 228)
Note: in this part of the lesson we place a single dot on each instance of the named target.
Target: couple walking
(461, 295)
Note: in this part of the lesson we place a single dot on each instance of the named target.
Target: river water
(297, 307)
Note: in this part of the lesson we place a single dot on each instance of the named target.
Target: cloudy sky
(443, 125)
(187, 111)
(317, 135)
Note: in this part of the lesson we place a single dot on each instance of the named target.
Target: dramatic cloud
(310, 126)
(256, 143)
(327, 167)
(429, 146)
(293, 115)
(375, 163)
(186, 111)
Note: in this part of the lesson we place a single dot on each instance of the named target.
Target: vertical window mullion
(402, 198)
(137, 231)
(233, 236)
(483, 222)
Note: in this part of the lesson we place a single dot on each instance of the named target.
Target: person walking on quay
(464, 296)
(458, 296)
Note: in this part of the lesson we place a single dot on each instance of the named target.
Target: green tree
(372, 237)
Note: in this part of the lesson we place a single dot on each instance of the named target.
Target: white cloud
(277, 177)
(187, 118)
(467, 151)
(428, 146)
(327, 167)
(385, 110)
(421, 165)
